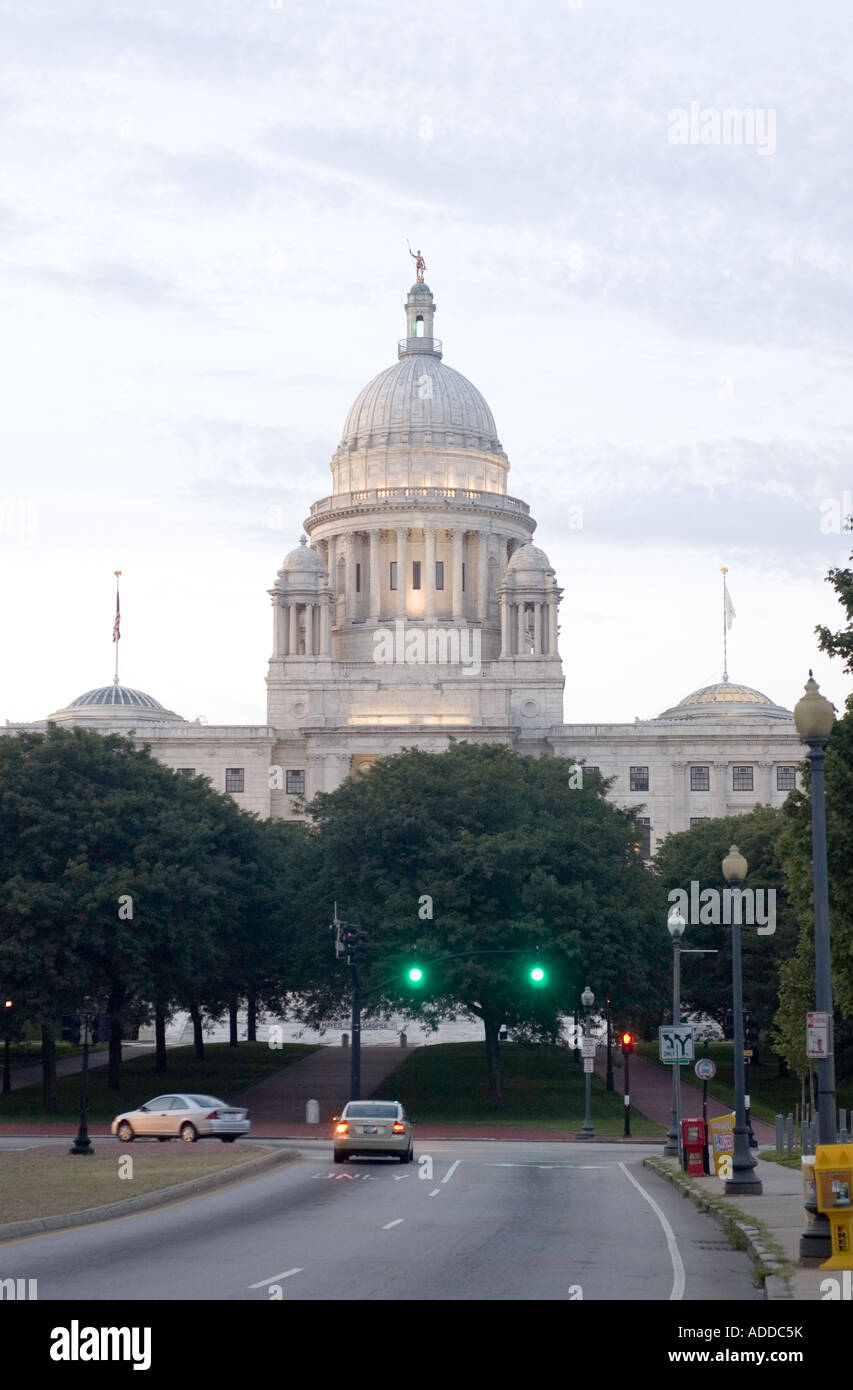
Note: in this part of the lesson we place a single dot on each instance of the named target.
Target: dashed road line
(262, 1283)
(435, 1192)
(398, 1222)
(451, 1170)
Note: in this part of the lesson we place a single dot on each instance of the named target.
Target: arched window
(419, 326)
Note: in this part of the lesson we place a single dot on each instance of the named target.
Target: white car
(373, 1127)
(182, 1116)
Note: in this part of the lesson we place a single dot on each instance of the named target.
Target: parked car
(182, 1116)
(373, 1128)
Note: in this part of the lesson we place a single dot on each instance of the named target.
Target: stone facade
(416, 609)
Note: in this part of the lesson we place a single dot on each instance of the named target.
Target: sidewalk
(31, 1076)
(651, 1092)
(277, 1106)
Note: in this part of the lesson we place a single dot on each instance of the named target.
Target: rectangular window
(358, 578)
(786, 779)
(742, 779)
(697, 820)
(439, 574)
(416, 574)
(294, 783)
(644, 845)
(235, 779)
(700, 779)
(590, 767)
(639, 779)
(393, 574)
(185, 771)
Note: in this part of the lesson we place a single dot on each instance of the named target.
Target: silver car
(188, 1117)
(373, 1127)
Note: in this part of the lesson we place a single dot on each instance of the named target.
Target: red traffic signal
(627, 1043)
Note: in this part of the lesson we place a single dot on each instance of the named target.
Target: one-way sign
(675, 1042)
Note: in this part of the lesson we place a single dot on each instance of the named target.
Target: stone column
(429, 576)
(402, 569)
(719, 788)
(552, 627)
(309, 629)
(458, 596)
(332, 561)
(325, 624)
(352, 600)
(504, 625)
(520, 641)
(293, 644)
(537, 628)
(764, 783)
(483, 576)
(375, 578)
(280, 625)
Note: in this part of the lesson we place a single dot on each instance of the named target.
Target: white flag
(728, 607)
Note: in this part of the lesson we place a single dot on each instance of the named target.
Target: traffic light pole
(355, 1054)
(626, 1057)
(83, 1144)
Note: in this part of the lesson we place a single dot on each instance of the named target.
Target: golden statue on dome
(420, 263)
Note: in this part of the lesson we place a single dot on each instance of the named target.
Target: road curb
(147, 1201)
(775, 1286)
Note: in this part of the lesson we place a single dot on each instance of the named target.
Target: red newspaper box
(692, 1145)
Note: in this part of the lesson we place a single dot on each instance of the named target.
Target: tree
(519, 865)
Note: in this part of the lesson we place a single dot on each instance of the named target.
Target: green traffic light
(415, 975)
(537, 975)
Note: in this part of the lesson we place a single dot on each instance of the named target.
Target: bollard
(842, 1126)
(804, 1138)
(344, 1039)
(403, 1040)
(812, 1136)
(312, 1112)
(779, 1133)
(789, 1135)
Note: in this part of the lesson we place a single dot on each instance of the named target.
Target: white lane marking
(672, 1245)
(398, 1222)
(451, 1170)
(435, 1192)
(262, 1283)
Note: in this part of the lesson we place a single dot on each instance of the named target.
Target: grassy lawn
(770, 1094)
(224, 1072)
(773, 1156)
(28, 1054)
(543, 1089)
(49, 1181)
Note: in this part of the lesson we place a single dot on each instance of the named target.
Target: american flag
(116, 629)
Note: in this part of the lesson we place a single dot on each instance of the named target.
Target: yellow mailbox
(833, 1170)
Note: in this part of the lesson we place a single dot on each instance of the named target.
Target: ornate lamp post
(814, 717)
(675, 925)
(587, 999)
(743, 1181)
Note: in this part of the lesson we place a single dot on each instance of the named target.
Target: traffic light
(101, 1026)
(751, 1035)
(361, 946)
(537, 975)
(414, 975)
(627, 1044)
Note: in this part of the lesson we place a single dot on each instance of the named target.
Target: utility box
(833, 1170)
(693, 1145)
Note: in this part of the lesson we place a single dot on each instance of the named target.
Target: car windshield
(371, 1110)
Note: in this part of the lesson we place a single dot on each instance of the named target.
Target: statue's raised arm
(420, 264)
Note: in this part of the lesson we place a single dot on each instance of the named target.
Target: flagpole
(724, 571)
(116, 632)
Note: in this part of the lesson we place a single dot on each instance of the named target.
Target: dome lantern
(420, 313)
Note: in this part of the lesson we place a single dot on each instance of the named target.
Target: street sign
(588, 1064)
(818, 1037)
(588, 1046)
(675, 1043)
(747, 1054)
(705, 1069)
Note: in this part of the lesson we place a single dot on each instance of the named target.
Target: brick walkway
(651, 1092)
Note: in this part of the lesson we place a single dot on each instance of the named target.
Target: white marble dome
(421, 401)
(303, 560)
(529, 559)
(726, 698)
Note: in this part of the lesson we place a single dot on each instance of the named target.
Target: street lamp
(587, 999)
(675, 925)
(814, 717)
(744, 1180)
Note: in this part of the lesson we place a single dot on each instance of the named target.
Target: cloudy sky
(204, 211)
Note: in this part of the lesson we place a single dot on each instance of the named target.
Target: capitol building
(416, 609)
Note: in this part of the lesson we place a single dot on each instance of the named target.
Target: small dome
(117, 695)
(118, 702)
(303, 559)
(726, 698)
(529, 558)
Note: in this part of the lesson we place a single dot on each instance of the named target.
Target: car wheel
(404, 1158)
(410, 1157)
(125, 1133)
(340, 1157)
(189, 1133)
(228, 1138)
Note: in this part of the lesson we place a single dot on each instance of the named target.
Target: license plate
(369, 1129)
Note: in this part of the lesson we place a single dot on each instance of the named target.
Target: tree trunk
(198, 1036)
(232, 1024)
(493, 1061)
(48, 1068)
(160, 1065)
(7, 1074)
(252, 1019)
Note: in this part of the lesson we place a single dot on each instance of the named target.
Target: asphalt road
(495, 1221)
